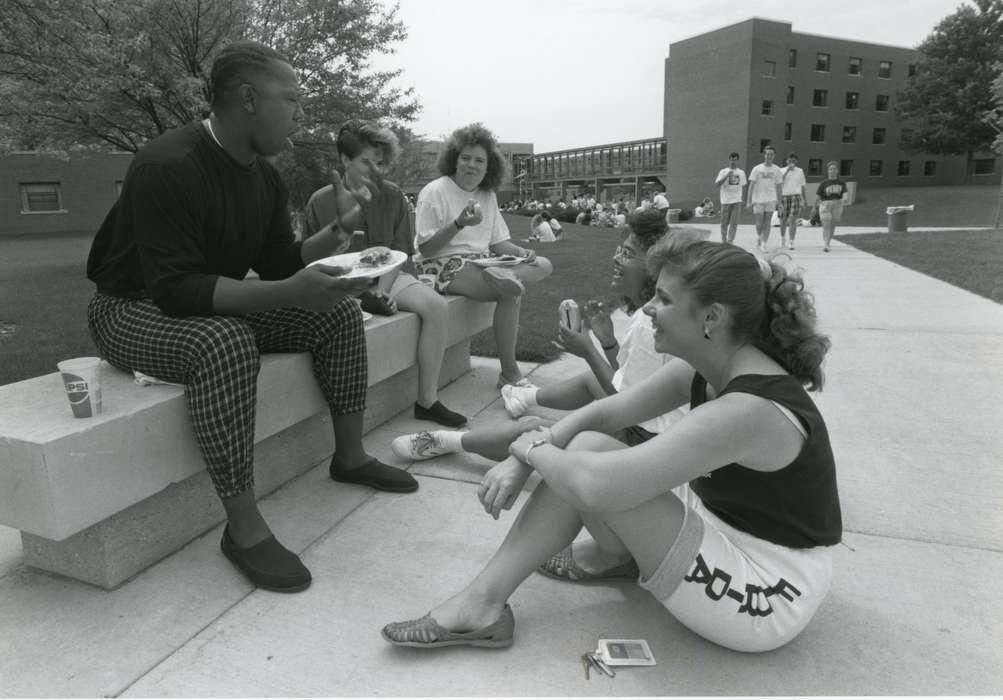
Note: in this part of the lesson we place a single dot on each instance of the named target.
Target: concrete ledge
(100, 499)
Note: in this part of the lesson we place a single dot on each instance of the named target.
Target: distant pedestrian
(831, 194)
(661, 203)
(764, 194)
(792, 191)
(731, 180)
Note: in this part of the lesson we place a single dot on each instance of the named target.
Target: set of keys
(592, 660)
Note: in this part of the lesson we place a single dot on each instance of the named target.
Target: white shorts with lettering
(735, 589)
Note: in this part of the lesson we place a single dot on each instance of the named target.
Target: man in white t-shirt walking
(764, 194)
(661, 203)
(792, 192)
(731, 180)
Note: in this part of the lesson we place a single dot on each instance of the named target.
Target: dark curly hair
(776, 315)
(474, 135)
(647, 225)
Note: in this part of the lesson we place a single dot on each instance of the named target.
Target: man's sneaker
(516, 399)
(418, 446)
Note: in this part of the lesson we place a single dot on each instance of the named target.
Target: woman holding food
(464, 244)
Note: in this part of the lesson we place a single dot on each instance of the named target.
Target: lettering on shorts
(754, 601)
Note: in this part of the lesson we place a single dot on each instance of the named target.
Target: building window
(790, 94)
(822, 62)
(767, 108)
(792, 58)
(881, 103)
(912, 69)
(820, 98)
(763, 143)
(817, 133)
(846, 168)
(814, 166)
(903, 167)
(852, 100)
(788, 131)
(985, 166)
(40, 197)
(770, 69)
(849, 134)
(856, 65)
(876, 168)
(878, 138)
(930, 168)
(885, 69)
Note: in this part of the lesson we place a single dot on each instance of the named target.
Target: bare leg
(492, 441)
(578, 391)
(432, 308)
(794, 229)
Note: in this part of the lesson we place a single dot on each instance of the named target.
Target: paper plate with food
(498, 261)
(371, 262)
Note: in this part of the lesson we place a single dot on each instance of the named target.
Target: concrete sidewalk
(912, 404)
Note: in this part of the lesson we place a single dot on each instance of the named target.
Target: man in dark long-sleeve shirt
(200, 207)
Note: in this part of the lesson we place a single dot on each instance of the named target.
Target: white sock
(527, 394)
(449, 439)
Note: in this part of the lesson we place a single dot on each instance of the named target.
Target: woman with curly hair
(459, 229)
(730, 515)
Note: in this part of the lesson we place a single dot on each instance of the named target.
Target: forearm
(508, 248)
(321, 244)
(439, 240)
(238, 297)
(603, 367)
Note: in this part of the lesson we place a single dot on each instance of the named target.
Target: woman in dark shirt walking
(831, 192)
(730, 514)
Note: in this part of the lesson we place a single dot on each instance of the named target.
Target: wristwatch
(535, 443)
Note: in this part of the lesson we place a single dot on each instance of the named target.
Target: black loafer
(438, 413)
(268, 564)
(377, 475)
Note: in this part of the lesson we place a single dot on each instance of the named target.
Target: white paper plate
(366, 316)
(500, 261)
(397, 258)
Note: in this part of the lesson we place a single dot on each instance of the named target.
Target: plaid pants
(217, 359)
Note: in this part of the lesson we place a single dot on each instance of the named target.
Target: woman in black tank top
(751, 461)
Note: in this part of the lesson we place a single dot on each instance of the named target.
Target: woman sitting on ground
(366, 151)
(540, 228)
(459, 227)
(622, 362)
(730, 515)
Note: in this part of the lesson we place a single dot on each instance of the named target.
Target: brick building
(43, 194)
(757, 82)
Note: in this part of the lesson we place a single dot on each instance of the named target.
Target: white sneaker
(515, 399)
(418, 446)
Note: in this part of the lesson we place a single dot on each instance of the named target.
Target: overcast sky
(566, 73)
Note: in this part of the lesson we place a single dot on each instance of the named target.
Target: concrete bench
(100, 499)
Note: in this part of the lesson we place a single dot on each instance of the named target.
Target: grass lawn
(582, 267)
(972, 260)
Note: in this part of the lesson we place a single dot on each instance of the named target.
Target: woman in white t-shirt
(459, 228)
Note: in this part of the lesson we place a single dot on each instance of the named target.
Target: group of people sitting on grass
(690, 450)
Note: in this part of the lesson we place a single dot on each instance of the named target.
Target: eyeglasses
(627, 255)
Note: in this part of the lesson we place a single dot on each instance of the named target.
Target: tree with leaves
(995, 120)
(86, 74)
(942, 107)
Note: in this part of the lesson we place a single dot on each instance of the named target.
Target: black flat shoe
(377, 475)
(267, 564)
(437, 413)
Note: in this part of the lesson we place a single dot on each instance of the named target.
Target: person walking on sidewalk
(366, 151)
(730, 516)
(730, 180)
(792, 191)
(831, 195)
(459, 230)
(200, 207)
(764, 195)
(661, 203)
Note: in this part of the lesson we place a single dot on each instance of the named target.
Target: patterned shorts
(446, 268)
(792, 206)
(735, 589)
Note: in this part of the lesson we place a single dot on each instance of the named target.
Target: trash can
(898, 219)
